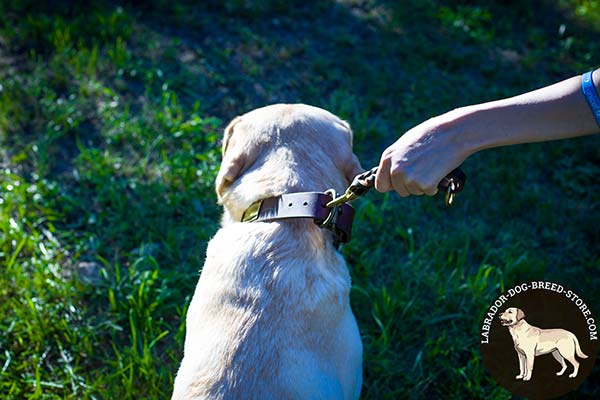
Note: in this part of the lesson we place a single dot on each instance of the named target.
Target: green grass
(110, 121)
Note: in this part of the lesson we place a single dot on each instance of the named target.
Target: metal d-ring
(334, 209)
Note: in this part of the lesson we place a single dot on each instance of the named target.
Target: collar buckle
(251, 214)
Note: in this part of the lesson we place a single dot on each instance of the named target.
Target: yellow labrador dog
(270, 317)
(531, 341)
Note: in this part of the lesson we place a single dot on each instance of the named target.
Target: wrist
(465, 134)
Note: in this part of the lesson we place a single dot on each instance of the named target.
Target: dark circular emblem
(539, 340)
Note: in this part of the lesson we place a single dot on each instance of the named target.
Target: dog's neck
(257, 185)
(518, 328)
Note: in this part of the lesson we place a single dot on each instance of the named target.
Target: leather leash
(362, 183)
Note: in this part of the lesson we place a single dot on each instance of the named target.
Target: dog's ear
(348, 128)
(520, 314)
(228, 133)
(232, 162)
(352, 167)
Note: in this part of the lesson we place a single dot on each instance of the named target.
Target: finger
(383, 182)
(428, 188)
(414, 188)
(399, 186)
(431, 190)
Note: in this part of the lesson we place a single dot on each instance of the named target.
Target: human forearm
(420, 158)
(554, 112)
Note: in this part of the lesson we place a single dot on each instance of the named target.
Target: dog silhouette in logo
(531, 341)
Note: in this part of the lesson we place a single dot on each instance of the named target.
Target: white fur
(270, 317)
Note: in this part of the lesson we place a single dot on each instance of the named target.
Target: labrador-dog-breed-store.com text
(270, 317)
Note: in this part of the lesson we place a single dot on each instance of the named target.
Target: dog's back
(270, 318)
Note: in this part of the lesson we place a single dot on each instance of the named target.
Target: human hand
(417, 162)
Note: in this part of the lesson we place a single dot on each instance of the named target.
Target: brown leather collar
(304, 205)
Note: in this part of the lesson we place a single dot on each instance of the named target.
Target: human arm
(420, 158)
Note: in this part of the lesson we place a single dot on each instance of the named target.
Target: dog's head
(511, 316)
(283, 148)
